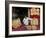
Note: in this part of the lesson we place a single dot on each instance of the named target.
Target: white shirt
(25, 20)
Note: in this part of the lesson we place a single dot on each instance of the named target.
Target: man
(16, 23)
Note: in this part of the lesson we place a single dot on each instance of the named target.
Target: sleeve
(30, 18)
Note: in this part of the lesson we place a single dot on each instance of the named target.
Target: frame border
(7, 18)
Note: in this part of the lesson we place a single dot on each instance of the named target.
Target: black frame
(7, 17)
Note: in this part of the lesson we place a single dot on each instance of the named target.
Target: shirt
(26, 20)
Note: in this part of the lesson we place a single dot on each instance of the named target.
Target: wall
(2, 19)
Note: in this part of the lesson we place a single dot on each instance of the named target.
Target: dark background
(20, 11)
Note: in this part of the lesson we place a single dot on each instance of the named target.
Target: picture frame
(9, 8)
